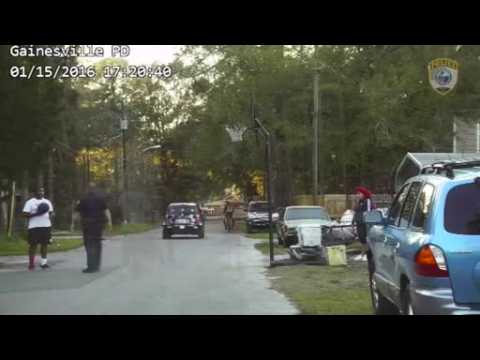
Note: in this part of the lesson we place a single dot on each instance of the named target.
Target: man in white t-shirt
(38, 211)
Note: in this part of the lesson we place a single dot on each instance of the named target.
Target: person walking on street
(228, 216)
(364, 205)
(94, 216)
(38, 211)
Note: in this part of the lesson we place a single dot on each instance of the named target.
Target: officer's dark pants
(362, 233)
(92, 239)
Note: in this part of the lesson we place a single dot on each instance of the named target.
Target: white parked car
(295, 216)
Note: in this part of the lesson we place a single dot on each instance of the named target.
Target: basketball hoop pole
(259, 127)
(236, 136)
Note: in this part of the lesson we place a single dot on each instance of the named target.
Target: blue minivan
(424, 256)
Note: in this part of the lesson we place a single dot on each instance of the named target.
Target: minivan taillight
(430, 262)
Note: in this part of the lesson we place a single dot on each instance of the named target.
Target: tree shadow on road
(52, 279)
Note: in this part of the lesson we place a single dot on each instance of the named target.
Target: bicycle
(229, 222)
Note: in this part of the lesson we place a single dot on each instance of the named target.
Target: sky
(146, 54)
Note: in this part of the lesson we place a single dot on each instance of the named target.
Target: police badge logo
(443, 75)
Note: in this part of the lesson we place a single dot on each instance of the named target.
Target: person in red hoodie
(364, 205)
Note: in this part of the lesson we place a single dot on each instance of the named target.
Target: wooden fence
(336, 204)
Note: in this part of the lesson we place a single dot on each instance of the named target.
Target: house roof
(216, 203)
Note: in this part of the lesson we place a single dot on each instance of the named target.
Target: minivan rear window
(462, 210)
(178, 209)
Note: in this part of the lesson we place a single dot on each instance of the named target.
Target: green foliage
(29, 113)
(126, 229)
(376, 104)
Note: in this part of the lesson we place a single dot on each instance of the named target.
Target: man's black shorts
(39, 235)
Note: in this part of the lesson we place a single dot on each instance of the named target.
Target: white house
(466, 136)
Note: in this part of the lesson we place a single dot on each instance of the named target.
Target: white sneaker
(357, 258)
(364, 258)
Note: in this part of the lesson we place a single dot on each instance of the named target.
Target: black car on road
(184, 219)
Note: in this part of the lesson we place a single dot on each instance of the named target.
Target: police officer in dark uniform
(94, 216)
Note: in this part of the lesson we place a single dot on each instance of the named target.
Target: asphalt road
(144, 275)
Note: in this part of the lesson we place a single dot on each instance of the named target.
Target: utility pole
(88, 165)
(124, 127)
(84, 172)
(125, 177)
(344, 148)
(316, 114)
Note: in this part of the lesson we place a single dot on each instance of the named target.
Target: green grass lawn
(325, 290)
(19, 246)
(66, 233)
(264, 247)
(263, 235)
(321, 290)
(259, 236)
(241, 226)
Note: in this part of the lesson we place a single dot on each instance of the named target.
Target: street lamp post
(88, 153)
(147, 187)
(124, 128)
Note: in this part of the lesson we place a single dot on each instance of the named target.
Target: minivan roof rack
(448, 167)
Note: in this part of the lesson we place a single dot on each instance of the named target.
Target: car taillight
(198, 219)
(430, 262)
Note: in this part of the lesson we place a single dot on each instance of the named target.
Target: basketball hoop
(236, 133)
